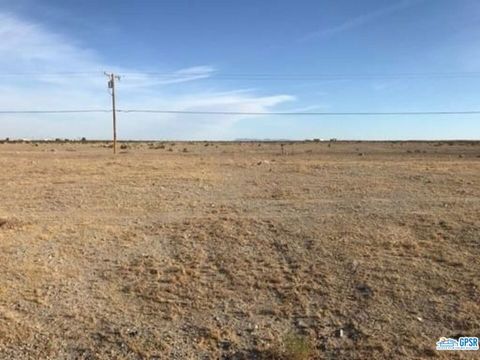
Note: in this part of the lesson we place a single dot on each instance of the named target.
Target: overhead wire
(245, 113)
(258, 76)
(249, 76)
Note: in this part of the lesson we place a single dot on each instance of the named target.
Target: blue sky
(201, 40)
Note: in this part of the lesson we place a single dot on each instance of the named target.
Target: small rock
(355, 265)
(302, 324)
(225, 345)
(365, 290)
(132, 332)
(340, 333)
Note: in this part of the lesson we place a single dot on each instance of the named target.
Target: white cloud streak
(36, 52)
(360, 20)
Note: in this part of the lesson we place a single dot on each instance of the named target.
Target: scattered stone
(443, 224)
(266, 162)
(301, 324)
(132, 332)
(365, 290)
(225, 345)
(355, 265)
(352, 331)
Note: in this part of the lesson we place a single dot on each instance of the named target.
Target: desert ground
(253, 250)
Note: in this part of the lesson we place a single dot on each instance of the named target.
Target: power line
(53, 111)
(247, 113)
(369, 113)
(324, 76)
(260, 76)
(60, 73)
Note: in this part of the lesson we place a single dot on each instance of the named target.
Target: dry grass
(238, 251)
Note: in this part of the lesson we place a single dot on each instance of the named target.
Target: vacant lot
(238, 250)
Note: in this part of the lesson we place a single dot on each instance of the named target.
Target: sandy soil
(238, 251)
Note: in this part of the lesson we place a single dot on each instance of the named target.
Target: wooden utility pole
(111, 85)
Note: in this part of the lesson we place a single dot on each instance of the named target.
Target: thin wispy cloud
(42, 55)
(360, 20)
(197, 127)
